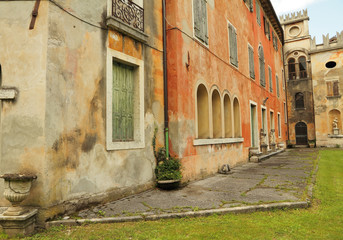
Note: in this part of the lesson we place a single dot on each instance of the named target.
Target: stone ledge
(126, 29)
(214, 141)
(221, 211)
(334, 136)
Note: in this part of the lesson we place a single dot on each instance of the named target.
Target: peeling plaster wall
(78, 164)
(23, 58)
(214, 70)
(57, 126)
(324, 104)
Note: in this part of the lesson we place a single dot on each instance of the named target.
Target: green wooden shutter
(277, 86)
(235, 48)
(122, 102)
(197, 17)
(251, 63)
(231, 42)
(251, 5)
(258, 13)
(270, 80)
(204, 21)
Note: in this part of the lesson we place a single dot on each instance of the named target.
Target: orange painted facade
(192, 63)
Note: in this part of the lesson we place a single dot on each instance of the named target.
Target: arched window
(302, 67)
(237, 118)
(227, 116)
(262, 68)
(203, 112)
(291, 69)
(216, 115)
(299, 100)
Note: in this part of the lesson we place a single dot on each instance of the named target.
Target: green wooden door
(122, 102)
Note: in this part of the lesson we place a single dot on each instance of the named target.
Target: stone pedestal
(273, 147)
(19, 225)
(254, 159)
(264, 148)
(336, 131)
(254, 151)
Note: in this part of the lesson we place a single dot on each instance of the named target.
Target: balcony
(127, 18)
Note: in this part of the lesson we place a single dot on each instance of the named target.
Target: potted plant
(312, 143)
(168, 168)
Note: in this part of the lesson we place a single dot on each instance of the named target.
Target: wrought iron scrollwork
(129, 12)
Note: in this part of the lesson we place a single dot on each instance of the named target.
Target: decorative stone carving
(263, 137)
(272, 142)
(17, 188)
(335, 126)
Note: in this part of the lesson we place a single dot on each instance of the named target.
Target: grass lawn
(324, 220)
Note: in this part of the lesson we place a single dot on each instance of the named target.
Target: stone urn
(17, 188)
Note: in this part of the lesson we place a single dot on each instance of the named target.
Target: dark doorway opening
(301, 133)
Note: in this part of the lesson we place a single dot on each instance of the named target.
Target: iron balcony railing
(129, 12)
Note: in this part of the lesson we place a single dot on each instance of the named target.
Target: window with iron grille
(299, 100)
(233, 45)
(200, 20)
(270, 79)
(262, 67)
(258, 13)
(251, 62)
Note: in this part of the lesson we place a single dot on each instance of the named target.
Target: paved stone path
(281, 178)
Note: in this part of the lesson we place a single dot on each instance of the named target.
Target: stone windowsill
(299, 109)
(126, 29)
(214, 141)
(333, 97)
(335, 136)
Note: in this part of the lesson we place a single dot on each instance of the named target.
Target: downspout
(165, 80)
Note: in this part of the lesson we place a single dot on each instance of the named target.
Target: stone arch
(203, 129)
(216, 113)
(227, 115)
(237, 118)
(334, 115)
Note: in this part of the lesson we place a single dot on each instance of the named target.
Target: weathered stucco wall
(78, 164)
(57, 126)
(23, 59)
(324, 103)
(210, 66)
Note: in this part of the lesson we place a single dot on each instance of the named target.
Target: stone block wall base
(22, 225)
(254, 159)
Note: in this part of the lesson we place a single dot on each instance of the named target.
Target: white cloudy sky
(285, 6)
(325, 15)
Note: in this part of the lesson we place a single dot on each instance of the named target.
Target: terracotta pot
(168, 184)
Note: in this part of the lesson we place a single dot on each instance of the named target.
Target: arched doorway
(301, 133)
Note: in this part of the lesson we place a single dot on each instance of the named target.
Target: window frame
(139, 138)
(270, 77)
(279, 125)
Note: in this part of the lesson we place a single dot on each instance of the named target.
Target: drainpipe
(165, 81)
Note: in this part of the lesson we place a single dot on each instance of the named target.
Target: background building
(327, 72)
